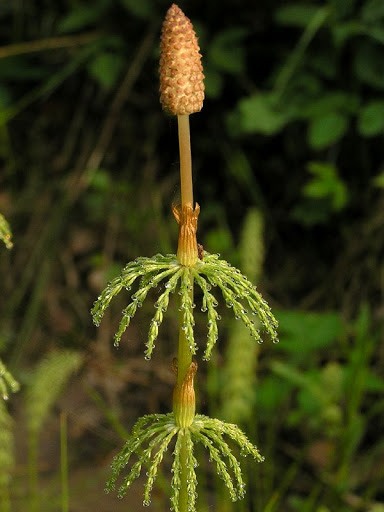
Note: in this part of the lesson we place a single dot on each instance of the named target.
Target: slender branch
(50, 43)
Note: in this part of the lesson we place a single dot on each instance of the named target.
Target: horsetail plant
(182, 94)
(7, 384)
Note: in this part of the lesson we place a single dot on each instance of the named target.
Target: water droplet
(218, 317)
(203, 309)
(167, 285)
(146, 503)
(116, 344)
(147, 357)
(229, 304)
(244, 311)
(237, 317)
(5, 396)
(128, 288)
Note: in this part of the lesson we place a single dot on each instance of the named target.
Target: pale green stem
(185, 160)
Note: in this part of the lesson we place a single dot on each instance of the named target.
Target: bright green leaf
(295, 15)
(372, 10)
(271, 394)
(342, 8)
(331, 102)
(227, 51)
(302, 332)
(140, 9)
(326, 183)
(213, 83)
(258, 115)
(371, 119)
(378, 180)
(369, 65)
(105, 68)
(81, 16)
(325, 130)
(5, 96)
(341, 32)
(219, 240)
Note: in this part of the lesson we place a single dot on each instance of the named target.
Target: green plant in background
(47, 382)
(239, 372)
(181, 94)
(323, 399)
(307, 91)
(6, 456)
(232, 385)
(5, 232)
(7, 384)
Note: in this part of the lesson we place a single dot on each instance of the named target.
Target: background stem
(64, 463)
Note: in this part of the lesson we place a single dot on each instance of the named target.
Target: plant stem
(183, 496)
(184, 353)
(184, 356)
(183, 363)
(186, 186)
(185, 160)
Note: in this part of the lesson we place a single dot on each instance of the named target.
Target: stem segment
(185, 160)
(184, 396)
